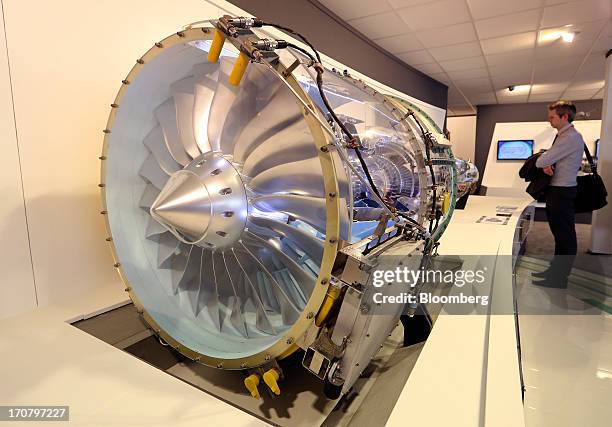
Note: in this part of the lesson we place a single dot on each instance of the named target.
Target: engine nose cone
(205, 202)
(184, 205)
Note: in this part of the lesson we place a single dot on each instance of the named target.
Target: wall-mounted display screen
(514, 149)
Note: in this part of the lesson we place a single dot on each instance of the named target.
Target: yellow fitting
(330, 298)
(251, 382)
(446, 203)
(239, 68)
(216, 46)
(270, 378)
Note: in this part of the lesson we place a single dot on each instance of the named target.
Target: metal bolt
(290, 340)
(332, 240)
(356, 364)
(324, 281)
(205, 30)
(158, 44)
(197, 359)
(117, 265)
(113, 105)
(220, 365)
(221, 233)
(101, 185)
(102, 157)
(332, 194)
(214, 171)
(127, 289)
(125, 82)
(180, 34)
(140, 61)
(228, 214)
(267, 357)
(243, 365)
(103, 212)
(109, 239)
(324, 149)
(310, 315)
(106, 131)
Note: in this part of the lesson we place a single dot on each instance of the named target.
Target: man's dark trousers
(560, 214)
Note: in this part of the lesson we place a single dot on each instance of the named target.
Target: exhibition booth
(209, 220)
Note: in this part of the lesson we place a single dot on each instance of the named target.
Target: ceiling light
(517, 89)
(568, 36)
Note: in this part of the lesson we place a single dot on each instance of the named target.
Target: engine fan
(236, 206)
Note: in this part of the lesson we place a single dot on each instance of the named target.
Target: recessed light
(568, 36)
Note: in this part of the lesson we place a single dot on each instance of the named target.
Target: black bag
(591, 192)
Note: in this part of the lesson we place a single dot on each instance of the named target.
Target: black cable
(304, 51)
(351, 139)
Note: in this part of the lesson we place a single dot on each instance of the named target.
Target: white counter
(468, 371)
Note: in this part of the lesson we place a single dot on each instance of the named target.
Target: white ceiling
(480, 47)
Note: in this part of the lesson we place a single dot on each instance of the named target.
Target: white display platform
(47, 361)
(467, 373)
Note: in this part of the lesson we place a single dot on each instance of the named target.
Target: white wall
(501, 176)
(67, 60)
(17, 291)
(463, 136)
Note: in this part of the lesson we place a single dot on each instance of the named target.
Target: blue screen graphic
(514, 149)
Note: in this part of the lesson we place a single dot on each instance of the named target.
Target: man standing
(562, 161)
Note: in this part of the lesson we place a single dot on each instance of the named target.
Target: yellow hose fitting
(330, 299)
(251, 382)
(446, 203)
(271, 377)
(216, 46)
(239, 68)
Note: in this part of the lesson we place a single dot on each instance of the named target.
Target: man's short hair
(564, 107)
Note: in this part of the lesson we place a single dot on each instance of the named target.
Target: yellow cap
(270, 378)
(251, 382)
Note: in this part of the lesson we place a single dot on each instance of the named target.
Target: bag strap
(590, 160)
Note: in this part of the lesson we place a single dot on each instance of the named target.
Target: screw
(158, 44)
(332, 240)
(324, 281)
(228, 214)
(324, 149)
(125, 82)
(180, 34)
(243, 365)
(106, 131)
(290, 340)
(117, 265)
(220, 365)
(103, 212)
(267, 357)
(225, 191)
(102, 157)
(127, 289)
(310, 315)
(215, 171)
(205, 30)
(332, 194)
(113, 105)
(101, 185)
(140, 61)
(109, 239)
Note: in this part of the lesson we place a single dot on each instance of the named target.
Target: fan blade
(166, 116)
(168, 244)
(236, 316)
(151, 171)
(154, 228)
(311, 210)
(276, 150)
(209, 296)
(304, 280)
(304, 240)
(205, 76)
(182, 92)
(303, 177)
(189, 285)
(185, 267)
(280, 113)
(223, 99)
(149, 195)
(262, 322)
(289, 312)
(156, 143)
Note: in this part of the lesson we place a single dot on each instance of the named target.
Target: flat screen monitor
(514, 149)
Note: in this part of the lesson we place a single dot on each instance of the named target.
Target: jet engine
(250, 194)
